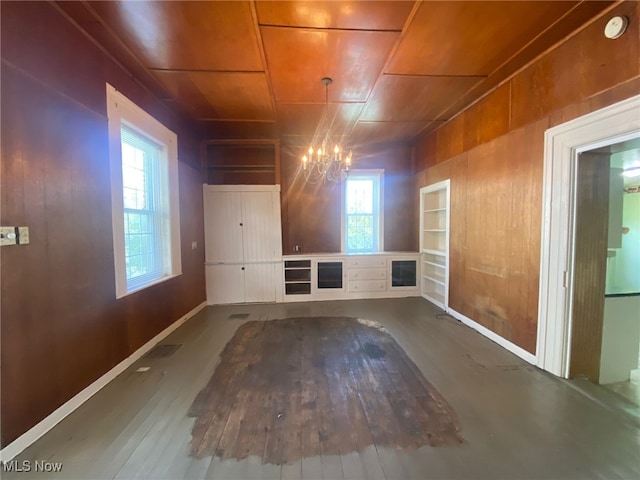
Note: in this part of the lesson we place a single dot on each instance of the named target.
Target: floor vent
(162, 351)
(238, 316)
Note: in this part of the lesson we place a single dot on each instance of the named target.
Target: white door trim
(563, 143)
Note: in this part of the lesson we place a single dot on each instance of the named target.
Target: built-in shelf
(434, 243)
(443, 209)
(440, 253)
(297, 277)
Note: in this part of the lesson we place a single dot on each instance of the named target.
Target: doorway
(564, 145)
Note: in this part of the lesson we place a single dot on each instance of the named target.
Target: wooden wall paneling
(487, 119)
(444, 37)
(457, 231)
(51, 66)
(621, 92)
(51, 287)
(242, 162)
(413, 98)
(590, 264)
(487, 210)
(575, 18)
(523, 232)
(492, 144)
(598, 64)
(312, 213)
(62, 327)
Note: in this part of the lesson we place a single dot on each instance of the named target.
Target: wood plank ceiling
(252, 70)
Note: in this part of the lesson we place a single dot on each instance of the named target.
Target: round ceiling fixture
(616, 27)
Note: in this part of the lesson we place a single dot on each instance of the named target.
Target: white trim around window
(162, 192)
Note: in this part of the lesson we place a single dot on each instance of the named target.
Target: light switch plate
(23, 235)
(8, 236)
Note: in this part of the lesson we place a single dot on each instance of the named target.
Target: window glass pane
(143, 242)
(360, 233)
(359, 196)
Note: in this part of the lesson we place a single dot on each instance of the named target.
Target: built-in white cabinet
(243, 243)
(343, 276)
(434, 242)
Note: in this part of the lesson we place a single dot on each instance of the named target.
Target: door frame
(562, 145)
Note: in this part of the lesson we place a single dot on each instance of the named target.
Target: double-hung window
(144, 196)
(362, 212)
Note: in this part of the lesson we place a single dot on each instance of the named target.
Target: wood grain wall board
(305, 119)
(186, 35)
(312, 218)
(221, 129)
(581, 13)
(49, 285)
(240, 177)
(520, 148)
(241, 155)
(221, 95)
(621, 92)
(320, 232)
(590, 264)
(470, 38)
(487, 119)
(406, 98)
(530, 100)
(367, 134)
(299, 58)
(87, 19)
(598, 64)
(350, 15)
(62, 327)
(51, 65)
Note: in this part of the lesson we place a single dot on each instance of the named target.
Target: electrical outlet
(23, 235)
(8, 236)
(194, 245)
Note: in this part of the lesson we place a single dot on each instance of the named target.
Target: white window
(362, 213)
(144, 196)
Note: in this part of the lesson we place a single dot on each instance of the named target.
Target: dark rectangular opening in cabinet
(298, 288)
(297, 264)
(297, 275)
(329, 275)
(403, 273)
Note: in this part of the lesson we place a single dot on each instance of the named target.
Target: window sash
(362, 222)
(142, 201)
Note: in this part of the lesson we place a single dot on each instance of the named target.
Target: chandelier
(326, 162)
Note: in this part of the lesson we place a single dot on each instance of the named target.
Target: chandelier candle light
(324, 163)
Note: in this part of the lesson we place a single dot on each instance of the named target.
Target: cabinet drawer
(367, 274)
(367, 286)
(367, 262)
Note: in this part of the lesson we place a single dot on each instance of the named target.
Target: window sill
(147, 285)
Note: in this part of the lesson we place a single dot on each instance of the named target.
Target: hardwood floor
(517, 421)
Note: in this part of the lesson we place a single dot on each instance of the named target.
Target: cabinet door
(261, 227)
(225, 284)
(260, 282)
(222, 226)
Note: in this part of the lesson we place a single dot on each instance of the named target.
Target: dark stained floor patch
(301, 387)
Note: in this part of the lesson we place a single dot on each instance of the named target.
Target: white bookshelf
(434, 243)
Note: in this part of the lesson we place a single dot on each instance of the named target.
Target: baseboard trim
(34, 433)
(512, 347)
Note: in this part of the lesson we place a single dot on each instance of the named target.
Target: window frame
(378, 174)
(122, 111)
